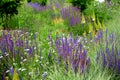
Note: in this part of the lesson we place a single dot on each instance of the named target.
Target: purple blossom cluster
(37, 7)
(72, 14)
(71, 51)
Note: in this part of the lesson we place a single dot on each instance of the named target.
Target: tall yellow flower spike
(95, 25)
(84, 34)
(90, 27)
(15, 75)
(99, 24)
(93, 16)
(83, 19)
(7, 78)
(55, 10)
(103, 26)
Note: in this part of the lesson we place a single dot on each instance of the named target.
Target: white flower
(84, 46)
(31, 34)
(7, 71)
(30, 41)
(6, 54)
(26, 33)
(21, 57)
(101, 1)
(41, 57)
(26, 49)
(37, 60)
(1, 57)
(30, 73)
(36, 33)
(86, 41)
(35, 48)
(14, 64)
(23, 69)
(19, 69)
(24, 60)
(21, 62)
(91, 40)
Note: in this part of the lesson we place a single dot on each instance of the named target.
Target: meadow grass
(47, 25)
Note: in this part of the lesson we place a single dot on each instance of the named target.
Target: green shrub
(101, 10)
(82, 29)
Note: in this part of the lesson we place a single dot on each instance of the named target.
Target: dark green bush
(42, 2)
(81, 3)
(7, 10)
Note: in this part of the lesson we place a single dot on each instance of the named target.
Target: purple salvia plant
(71, 52)
(109, 54)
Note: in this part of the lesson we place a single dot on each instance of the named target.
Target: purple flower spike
(11, 71)
(104, 59)
(31, 49)
(118, 66)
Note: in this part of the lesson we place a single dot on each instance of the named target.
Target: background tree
(8, 8)
(82, 4)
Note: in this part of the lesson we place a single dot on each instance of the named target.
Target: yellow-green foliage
(15, 75)
(83, 19)
(90, 27)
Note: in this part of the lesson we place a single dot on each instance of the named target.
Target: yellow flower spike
(7, 78)
(95, 25)
(83, 19)
(54, 8)
(93, 33)
(99, 24)
(93, 16)
(90, 27)
(84, 34)
(58, 20)
(103, 26)
(15, 75)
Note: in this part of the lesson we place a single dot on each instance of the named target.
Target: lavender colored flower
(44, 75)
(71, 14)
(31, 49)
(71, 52)
(11, 71)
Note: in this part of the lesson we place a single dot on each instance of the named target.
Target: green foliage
(81, 29)
(81, 3)
(103, 11)
(95, 72)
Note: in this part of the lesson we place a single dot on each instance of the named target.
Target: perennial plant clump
(108, 54)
